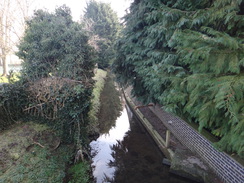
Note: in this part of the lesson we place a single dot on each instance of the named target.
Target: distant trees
(189, 57)
(13, 14)
(105, 28)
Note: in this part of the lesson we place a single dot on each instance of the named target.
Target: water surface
(124, 152)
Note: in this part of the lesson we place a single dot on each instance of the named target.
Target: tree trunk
(5, 66)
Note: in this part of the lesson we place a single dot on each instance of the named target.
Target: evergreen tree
(105, 26)
(54, 44)
(57, 71)
(189, 57)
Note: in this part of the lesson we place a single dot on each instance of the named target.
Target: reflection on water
(127, 154)
(124, 152)
(111, 106)
(101, 148)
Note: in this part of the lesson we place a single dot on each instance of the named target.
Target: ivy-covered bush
(12, 101)
(57, 71)
(189, 57)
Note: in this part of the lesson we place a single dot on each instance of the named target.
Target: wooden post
(167, 138)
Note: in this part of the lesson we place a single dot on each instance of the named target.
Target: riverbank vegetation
(79, 173)
(57, 72)
(54, 89)
(188, 56)
(32, 152)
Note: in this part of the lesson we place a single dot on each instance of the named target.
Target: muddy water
(124, 152)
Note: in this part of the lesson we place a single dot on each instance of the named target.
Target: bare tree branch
(13, 14)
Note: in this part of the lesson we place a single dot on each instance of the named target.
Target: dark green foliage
(57, 71)
(188, 56)
(105, 20)
(55, 45)
(105, 27)
(12, 101)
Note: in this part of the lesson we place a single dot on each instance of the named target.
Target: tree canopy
(54, 44)
(189, 57)
(105, 28)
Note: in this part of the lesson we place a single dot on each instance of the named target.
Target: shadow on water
(124, 152)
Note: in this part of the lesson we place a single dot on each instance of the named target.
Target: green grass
(23, 161)
(38, 166)
(99, 78)
(79, 173)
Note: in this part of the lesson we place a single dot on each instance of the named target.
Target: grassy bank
(79, 172)
(32, 153)
(95, 103)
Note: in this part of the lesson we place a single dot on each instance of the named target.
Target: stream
(124, 151)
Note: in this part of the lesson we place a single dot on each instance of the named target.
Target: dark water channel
(124, 152)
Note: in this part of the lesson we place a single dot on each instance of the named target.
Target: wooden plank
(154, 134)
(167, 138)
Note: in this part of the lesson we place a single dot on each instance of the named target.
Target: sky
(77, 9)
(78, 6)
